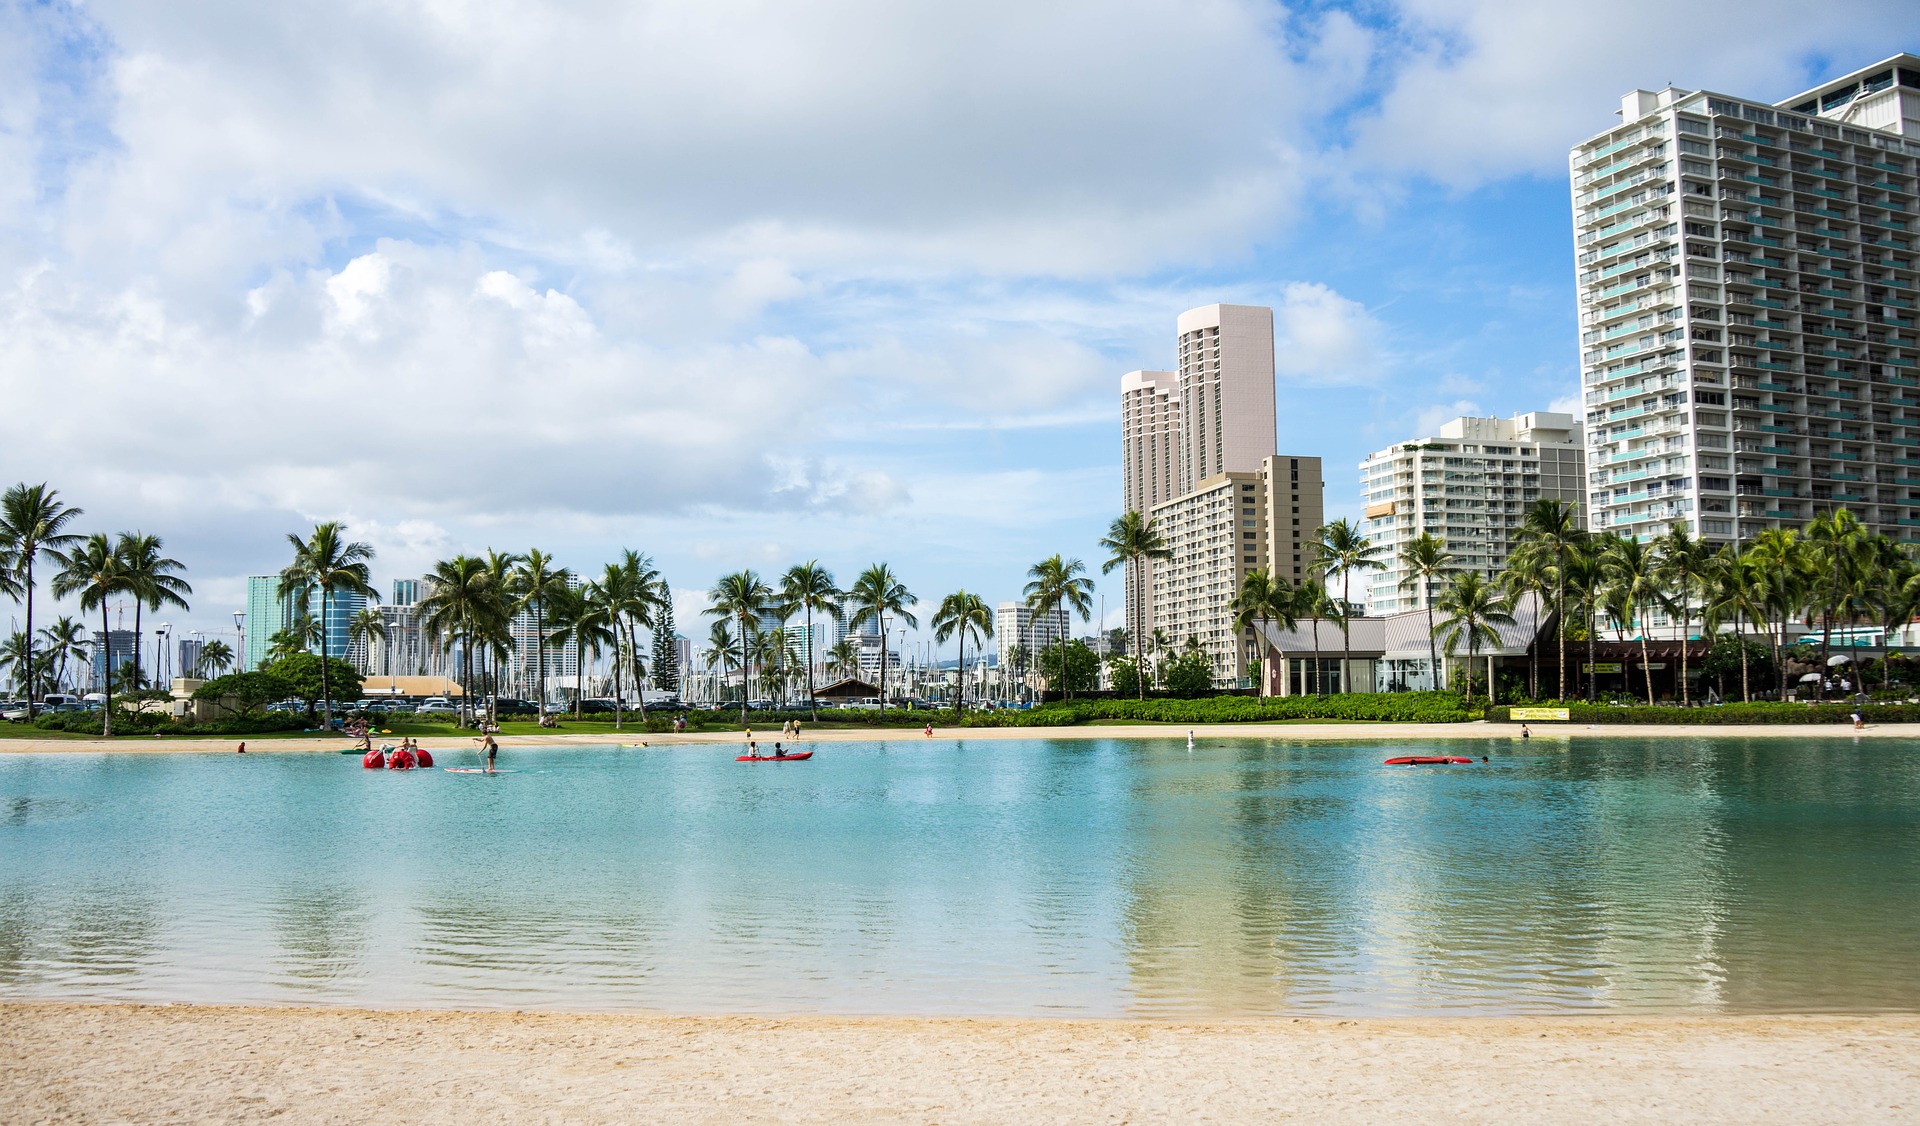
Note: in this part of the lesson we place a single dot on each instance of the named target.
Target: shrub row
(1379, 707)
(1766, 712)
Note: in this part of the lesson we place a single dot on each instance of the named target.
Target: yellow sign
(1601, 666)
(1537, 714)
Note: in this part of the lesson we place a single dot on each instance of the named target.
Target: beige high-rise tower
(1197, 448)
(1226, 390)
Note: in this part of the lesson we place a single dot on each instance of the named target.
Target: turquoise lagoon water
(985, 877)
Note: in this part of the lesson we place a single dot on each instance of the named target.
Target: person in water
(1524, 733)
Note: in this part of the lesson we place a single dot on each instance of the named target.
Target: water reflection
(322, 935)
(1096, 877)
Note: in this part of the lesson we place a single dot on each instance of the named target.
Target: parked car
(507, 705)
(437, 707)
(13, 711)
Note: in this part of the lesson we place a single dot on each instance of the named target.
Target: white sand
(74, 1063)
(1543, 733)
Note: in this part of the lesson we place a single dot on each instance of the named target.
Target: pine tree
(666, 662)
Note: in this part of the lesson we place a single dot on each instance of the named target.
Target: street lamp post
(240, 638)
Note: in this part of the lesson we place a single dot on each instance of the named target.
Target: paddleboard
(1427, 760)
(801, 757)
(476, 770)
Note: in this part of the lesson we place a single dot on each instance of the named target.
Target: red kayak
(801, 757)
(1427, 760)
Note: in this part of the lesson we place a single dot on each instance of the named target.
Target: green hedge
(244, 725)
(1729, 713)
(1377, 707)
(91, 723)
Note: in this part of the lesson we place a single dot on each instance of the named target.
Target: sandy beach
(110, 1063)
(1361, 732)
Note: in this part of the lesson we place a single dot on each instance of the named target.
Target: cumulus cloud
(1476, 90)
(1321, 337)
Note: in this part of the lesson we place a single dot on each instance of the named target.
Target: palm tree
(1473, 606)
(1551, 530)
(1529, 572)
(807, 588)
(363, 629)
(1312, 602)
(18, 657)
(325, 562)
(94, 572)
(1894, 595)
(1633, 576)
(1684, 563)
(1731, 592)
(152, 579)
(1342, 550)
(460, 596)
(1161, 644)
(215, 657)
(32, 518)
(875, 594)
(1782, 561)
(1425, 560)
(962, 613)
(67, 638)
(1263, 599)
(1057, 583)
(1585, 578)
(844, 657)
(1133, 540)
(1841, 549)
(742, 596)
(534, 582)
(721, 653)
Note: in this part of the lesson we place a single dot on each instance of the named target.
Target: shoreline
(1543, 732)
(169, 1062)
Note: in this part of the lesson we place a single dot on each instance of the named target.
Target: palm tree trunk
(1593, 675)
(540, 657)
(744, 673)
(106, 713)
(1686, 621)
(1646, 669)
(137, 607)
(1346, 640)
(616, 675)
(326, 690)
(960, 692)
(27, 568)
(1560, 623)
(579, 671)
(1433, 647)
(813, 702)
(881, 619)
(1316, 654)
(1740, 639)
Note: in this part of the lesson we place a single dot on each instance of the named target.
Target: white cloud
(1477, 90)
(1321, 337)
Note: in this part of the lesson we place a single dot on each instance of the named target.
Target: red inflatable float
(400, 760)
(373, 760)
(424, 759)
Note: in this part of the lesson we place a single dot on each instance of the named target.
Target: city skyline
(360, 322)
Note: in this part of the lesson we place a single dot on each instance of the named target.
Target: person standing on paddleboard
(489, 748)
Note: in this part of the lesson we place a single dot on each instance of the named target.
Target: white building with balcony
(1747, 288)
(1470, 485)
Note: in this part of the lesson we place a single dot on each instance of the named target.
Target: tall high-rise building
(1197, 454)
(190, 649)
(1227, 421)
(118, 651)
(1747, 287)
(1470, 485)
(341, 608)
(267, 614)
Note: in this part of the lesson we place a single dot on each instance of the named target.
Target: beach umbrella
(1812, 676)
(1838, 659)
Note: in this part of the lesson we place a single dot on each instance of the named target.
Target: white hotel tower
(1747, 288)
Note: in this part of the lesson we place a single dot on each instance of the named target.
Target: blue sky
(742, 284)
